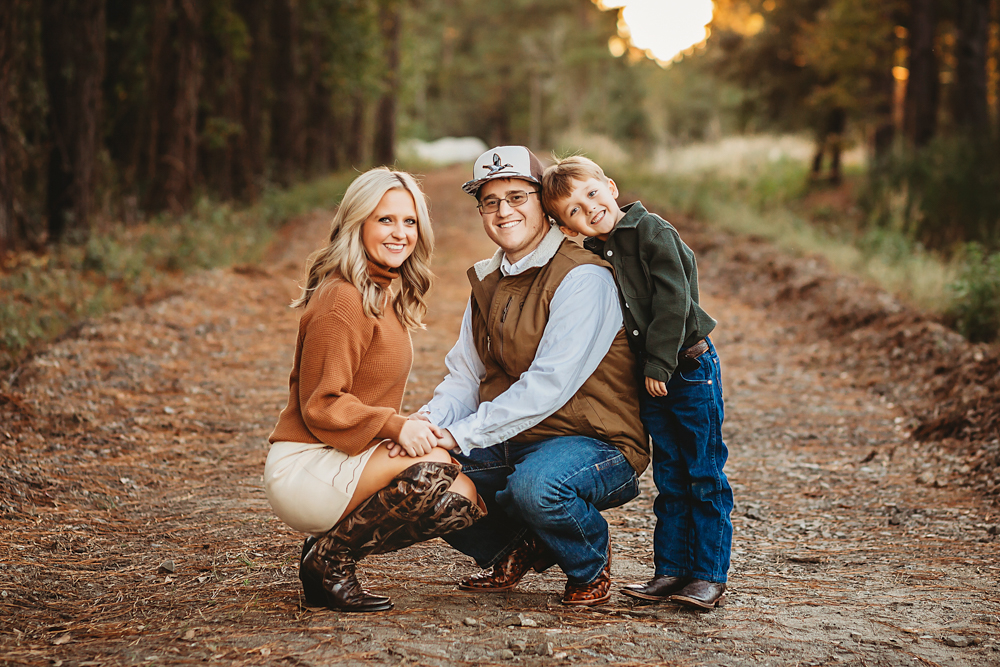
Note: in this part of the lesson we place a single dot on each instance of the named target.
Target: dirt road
(136, 530)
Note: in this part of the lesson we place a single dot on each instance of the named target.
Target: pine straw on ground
(136, 530)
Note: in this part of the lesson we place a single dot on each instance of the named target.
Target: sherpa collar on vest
(541, 255)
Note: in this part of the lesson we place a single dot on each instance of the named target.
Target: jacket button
(635, 332)
(626, 305)
(610, 253)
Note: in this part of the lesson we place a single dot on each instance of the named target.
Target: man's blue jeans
(694, 533)
(554, 488)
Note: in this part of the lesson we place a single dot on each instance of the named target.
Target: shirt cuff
(656, 373)
(462, 436)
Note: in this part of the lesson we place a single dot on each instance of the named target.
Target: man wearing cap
(541, 400)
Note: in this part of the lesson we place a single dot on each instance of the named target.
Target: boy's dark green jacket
(657, 278)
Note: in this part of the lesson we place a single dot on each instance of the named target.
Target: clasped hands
(419, 436)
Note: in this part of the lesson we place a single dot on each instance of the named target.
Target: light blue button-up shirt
(584, 318)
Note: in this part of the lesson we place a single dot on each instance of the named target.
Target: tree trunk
(969, 105)
(885, 123)
(73, 47)
(218, 149)
(250, 171)
(922, 90)
(9, 36)
(223, 144)
(175, 86)
(287, 115)
(385, 112)
(829, 143)
(356, 148)
(319, 136)
(888, 108)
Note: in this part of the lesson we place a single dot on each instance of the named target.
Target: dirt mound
(948, 387)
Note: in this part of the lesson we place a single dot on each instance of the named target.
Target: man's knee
(533, 491)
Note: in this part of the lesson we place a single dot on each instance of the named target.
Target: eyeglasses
(513, 199)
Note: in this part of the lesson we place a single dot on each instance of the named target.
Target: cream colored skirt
(309, 485)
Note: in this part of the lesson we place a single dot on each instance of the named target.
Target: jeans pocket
(624, 493)
(695, 371)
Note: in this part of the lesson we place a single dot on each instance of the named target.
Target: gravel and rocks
(866, 522)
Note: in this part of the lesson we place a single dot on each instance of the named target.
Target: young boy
(681, 406)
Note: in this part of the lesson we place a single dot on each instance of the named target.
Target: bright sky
(663, 28)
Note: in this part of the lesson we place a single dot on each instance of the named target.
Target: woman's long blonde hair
(345, 254)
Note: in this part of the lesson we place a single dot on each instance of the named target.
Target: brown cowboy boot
(410, 496)
(596, 592)
(330, 571)
(314, 594)
(327, 568)
(506, 574)
(452, 512)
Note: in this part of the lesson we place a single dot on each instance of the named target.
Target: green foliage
(770, 201)
(777, 184)
(42, 297)
(850, 47)
(694, 102)
(803, 58)
(768, 63)
(976, 310)
(941, 196)
(521, 73)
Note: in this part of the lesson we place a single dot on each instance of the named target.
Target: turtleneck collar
(381, 275)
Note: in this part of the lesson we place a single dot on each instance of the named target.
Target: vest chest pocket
(514, 337)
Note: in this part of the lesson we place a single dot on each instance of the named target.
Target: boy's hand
(656, 387)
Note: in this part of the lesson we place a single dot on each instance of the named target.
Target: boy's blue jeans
(694, 533)
(555, 488)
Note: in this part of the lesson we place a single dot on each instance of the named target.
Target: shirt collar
(634, 212)
(507, 268)
(540, 256)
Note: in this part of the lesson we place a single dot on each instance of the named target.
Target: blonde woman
(328, 472)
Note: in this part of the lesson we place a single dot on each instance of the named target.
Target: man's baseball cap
(504, 162)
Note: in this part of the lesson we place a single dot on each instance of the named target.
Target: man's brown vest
(508, 318)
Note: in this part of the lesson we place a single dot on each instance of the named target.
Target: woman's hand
(417, 438)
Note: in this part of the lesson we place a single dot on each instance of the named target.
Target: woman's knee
(438, 454)
(464, 486)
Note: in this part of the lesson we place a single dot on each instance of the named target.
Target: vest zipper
(503, 316)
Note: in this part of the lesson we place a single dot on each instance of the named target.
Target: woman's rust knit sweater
(349, 371)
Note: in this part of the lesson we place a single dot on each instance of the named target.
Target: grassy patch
(975, 310)
(44, 296)
(776, 201)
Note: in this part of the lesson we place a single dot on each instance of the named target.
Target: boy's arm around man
(657, 277)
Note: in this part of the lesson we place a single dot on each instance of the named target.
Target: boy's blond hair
(557, 181)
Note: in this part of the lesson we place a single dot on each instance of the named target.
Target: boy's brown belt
(696, 350)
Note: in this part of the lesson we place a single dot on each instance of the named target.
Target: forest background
(140, 138)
